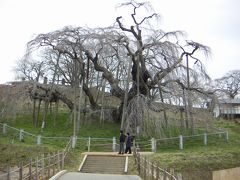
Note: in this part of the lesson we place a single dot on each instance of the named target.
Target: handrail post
(153, 145)
(219, 134)
(226, 136)
(30, 169)
(4, 128)
(180, 142)
(62, 164)
(205, 139)
(21, 134)
(39, 139)
(74, 141)
(8, 173)
(114, 144)
(43, 165)
(20, 170)
(89, 143)
(145, 168)
(58, 161)
(36, 169)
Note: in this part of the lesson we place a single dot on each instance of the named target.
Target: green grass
(195, 157)
(12, 154)
(13, 151)
(198, 159)
(64, 127)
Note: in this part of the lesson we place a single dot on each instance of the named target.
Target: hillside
(195, 161)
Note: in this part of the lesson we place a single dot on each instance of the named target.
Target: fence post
(53, 161)
(180, 142)
(4, 128)
(49, 165)
(164, 174)
(114, 144)
(157, 171)
(62, 160)
(21, 134)
(8, 173)
(226, 135)
(39, 140)
(171, 171)
(20, 170)
(74, 141)
(205, 139)
(153, 145)
(36, 169)
(152, 171)
(30, 169)
(145, 169)
(89, 143)
(139, 163)
(43, 168)
(134, 143)
(58, 161)
(219, 135)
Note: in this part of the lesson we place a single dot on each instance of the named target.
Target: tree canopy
(229, 84)
(134, 58)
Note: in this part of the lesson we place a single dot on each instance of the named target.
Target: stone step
(104, 164)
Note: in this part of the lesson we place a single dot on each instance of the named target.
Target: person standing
(128, 144)
(121, 140)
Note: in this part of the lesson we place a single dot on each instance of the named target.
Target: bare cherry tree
(155, 59)
(29, 69)
(229, 84)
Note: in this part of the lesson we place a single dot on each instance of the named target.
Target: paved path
(91, 176)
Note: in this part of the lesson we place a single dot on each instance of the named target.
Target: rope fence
(182, 141)
(110, 144)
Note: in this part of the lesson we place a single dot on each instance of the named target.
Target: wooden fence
(150, 171)
(39, 169)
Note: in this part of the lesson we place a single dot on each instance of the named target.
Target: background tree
(229, 84)
(30, 69)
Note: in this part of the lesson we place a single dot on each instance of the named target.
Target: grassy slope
(219, 154)
(12, 151)
(12, 154)
(64, 127)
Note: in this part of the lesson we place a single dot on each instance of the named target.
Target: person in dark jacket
(128, 144)
(121, 141)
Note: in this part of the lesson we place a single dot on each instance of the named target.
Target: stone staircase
(104, 164)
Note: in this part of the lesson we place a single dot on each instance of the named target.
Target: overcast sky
(215, 23)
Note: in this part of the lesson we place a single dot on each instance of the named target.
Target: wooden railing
(148, 170)
(41, 168)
